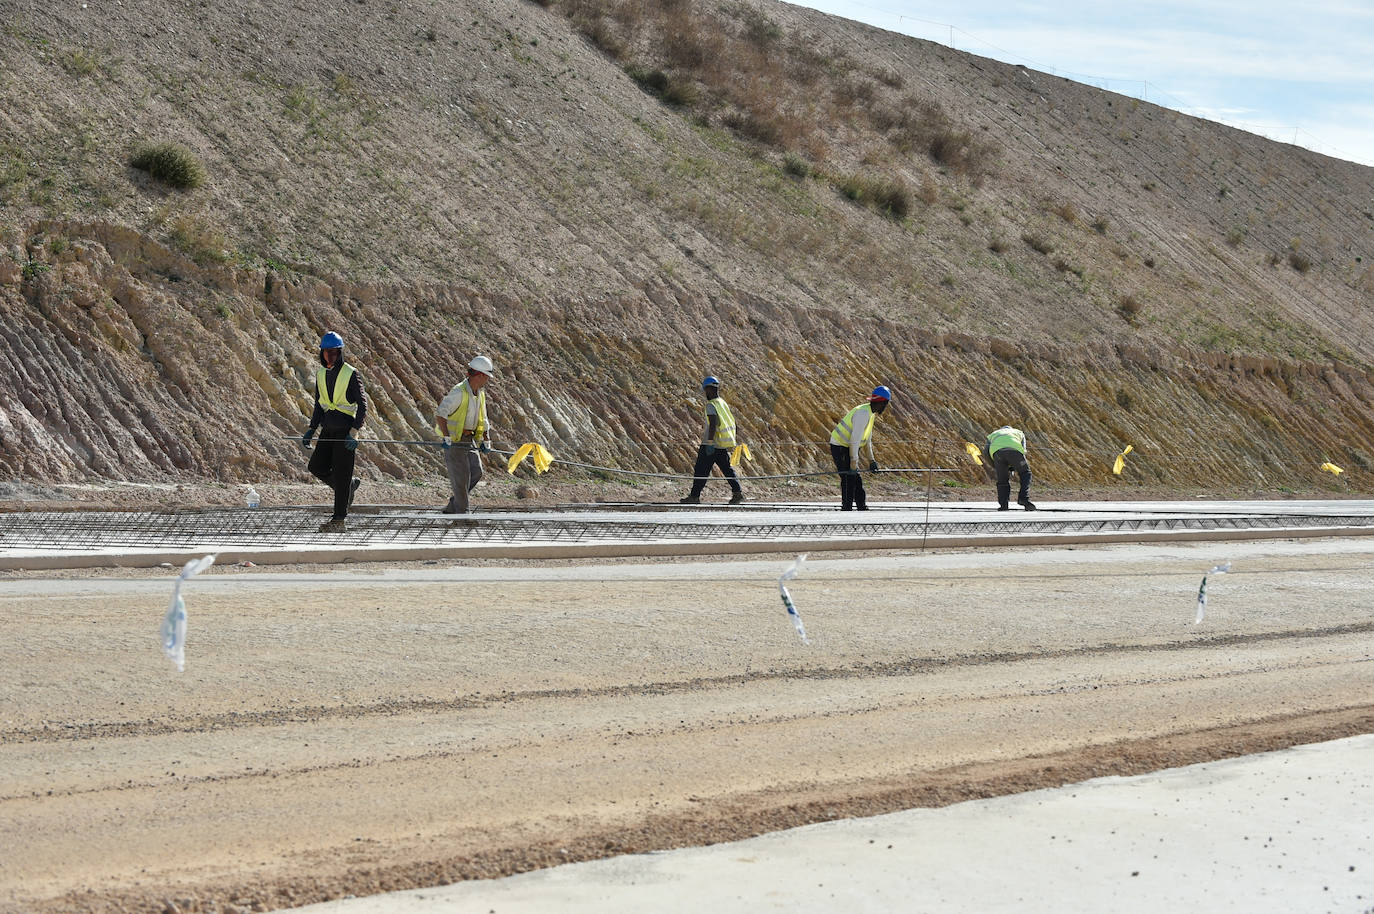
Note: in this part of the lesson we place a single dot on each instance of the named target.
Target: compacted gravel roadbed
(353, 731)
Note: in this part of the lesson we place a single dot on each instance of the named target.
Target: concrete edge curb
(329, 555)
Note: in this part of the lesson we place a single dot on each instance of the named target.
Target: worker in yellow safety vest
(851, 433)
(1006, 449)
(340, 408)
(462, 421)
(716, 444)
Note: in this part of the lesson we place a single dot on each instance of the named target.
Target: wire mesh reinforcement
(267, 528)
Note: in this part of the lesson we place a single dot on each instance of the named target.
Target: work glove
(305, 439)
(484, 447)
(350, 443)
(447, 443)
(873, 466)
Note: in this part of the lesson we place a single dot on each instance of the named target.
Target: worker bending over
(1007, 449)
(462, 421)
(716, 443)
(851, 433)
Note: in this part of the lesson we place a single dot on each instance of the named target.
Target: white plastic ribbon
(1202, 591)
(174, 623)
(789, 574)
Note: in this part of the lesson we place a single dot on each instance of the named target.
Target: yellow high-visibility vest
(337, 399)
(725, 424)
(460, 415)
(844, 431)
(1006, 436)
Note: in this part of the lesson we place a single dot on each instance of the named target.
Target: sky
(1298, 72)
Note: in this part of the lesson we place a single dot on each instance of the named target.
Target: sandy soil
(349, 732)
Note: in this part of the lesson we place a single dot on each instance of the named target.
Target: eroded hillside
(436, 179)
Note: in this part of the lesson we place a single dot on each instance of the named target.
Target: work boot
(737, 498)
(1026, 503)
(690, 500)
(1003, 507)
(353, 490)
(333, 525)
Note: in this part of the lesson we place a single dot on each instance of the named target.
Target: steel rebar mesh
(284, 527)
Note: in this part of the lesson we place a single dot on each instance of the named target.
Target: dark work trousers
(708, 455)
(1004, 462)
(332, 464)
(852, 494)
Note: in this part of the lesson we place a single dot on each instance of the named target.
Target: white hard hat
(481, 363)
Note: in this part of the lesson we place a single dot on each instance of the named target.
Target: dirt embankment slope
(434, 180)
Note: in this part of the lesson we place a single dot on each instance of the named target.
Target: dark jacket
(332, 419)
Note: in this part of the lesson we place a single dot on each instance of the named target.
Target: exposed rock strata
(123, 360)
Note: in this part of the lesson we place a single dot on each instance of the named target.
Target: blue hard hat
(881, 393)
(331, 340)
(711, 381)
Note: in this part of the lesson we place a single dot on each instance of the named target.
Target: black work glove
(873, 466)
(305, 439)
(350, 443)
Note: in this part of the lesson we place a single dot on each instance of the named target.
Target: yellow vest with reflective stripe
(337, 399)
(844, 431)
(460, 415)
(725, 424)
(1005, 437)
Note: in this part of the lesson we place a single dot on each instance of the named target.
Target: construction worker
(1006, 449)
(340, 408)
(716, 444)
(462, 421)
(845, 444)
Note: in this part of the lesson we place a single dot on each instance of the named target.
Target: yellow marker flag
(1332, 469)
(974, 452)
(741, 452)
(517, 457)
(540, 457)
(1120, 463)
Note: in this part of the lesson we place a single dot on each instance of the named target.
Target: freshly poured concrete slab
(1278, 832)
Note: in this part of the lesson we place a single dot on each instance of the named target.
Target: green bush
(170, 163)
(889, 196)
(655, 81)
(681, 93)
(795, 165)
(1129, 307)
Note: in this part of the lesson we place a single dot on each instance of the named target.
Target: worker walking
(716, 444)
(1007, 449)
(340, 408)
(462, 420)
(851, 433)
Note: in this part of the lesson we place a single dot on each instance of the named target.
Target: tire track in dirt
(731, 719)
(902, 667)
